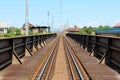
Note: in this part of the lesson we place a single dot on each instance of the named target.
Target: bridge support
(15, 58)
(42, 44)
(39, 45)
(103, 58)
(28, 52)
(91, 52)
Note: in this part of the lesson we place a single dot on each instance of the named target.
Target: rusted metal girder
(105, 48)
(12, 49)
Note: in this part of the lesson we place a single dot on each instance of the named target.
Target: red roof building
(73, 29)
(117, 25)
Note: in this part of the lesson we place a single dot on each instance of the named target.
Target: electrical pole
(67, 24)
(26, 17)
(48, 14)
(60, 11)
(48, 17)
(52, 21)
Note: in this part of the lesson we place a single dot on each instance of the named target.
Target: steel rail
(52, 61)
(46, 63)
(76, 65)
(68, 59)
(87, 74)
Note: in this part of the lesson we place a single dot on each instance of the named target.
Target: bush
(13, 31)
(9, 34)
(91, 30)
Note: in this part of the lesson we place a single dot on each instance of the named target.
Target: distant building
(35, 29)
(23, 29)
(3, 27)
(71, 30)
(41, 29)
(117, 25)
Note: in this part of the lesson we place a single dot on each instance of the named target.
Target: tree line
(11, 31)
(14, 31)
(91, 29)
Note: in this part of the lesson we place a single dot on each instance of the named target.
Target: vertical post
(87, 43)
(15, 57)
(26, 17)
(60, 11)
(48, 17)
(48, 29)
(52, 23)
(41, 41)
(38, 42)
(96, 46)
(107, 58)
(106, 55)
(93, 50)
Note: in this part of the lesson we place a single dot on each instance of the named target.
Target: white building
(3, 27)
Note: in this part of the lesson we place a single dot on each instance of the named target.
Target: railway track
(45, 72)
(40, 68)
(75, 70)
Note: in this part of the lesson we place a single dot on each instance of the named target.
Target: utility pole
(48, 20)
(67, 24)
(26, 17)
(60, 11)
(61, 14)
(52, 21)
(48, 17)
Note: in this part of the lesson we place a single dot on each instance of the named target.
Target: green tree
(17, 32)
(91, 29)
(13, 31)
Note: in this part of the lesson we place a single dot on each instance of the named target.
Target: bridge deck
(95, 70)
(61, 72)
(25, 71)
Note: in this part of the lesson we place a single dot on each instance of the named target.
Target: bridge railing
(12, 49)
(105, 48)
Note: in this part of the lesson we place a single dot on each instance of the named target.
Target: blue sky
(75, 12)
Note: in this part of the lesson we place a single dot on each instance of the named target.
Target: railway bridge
(60, 57)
